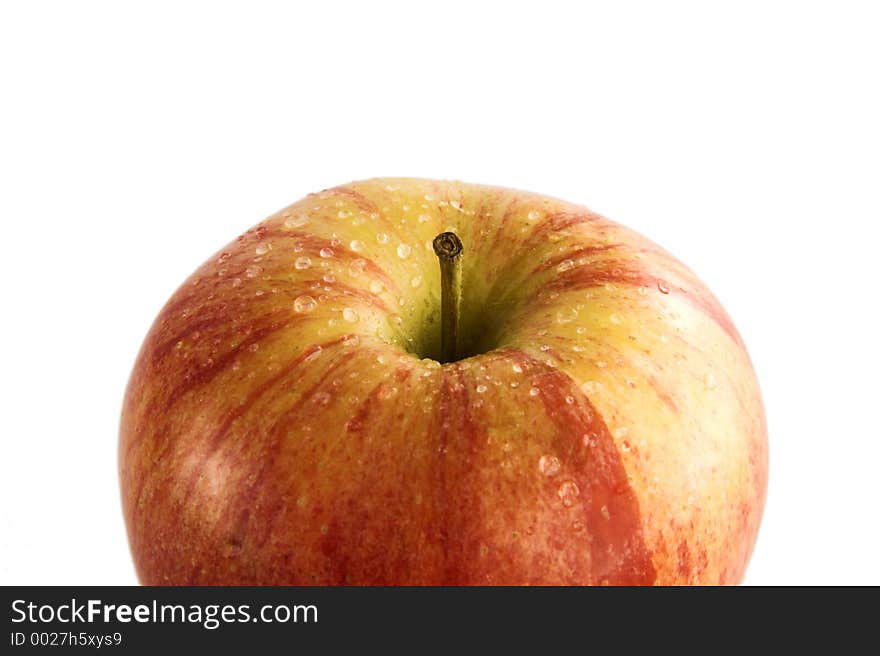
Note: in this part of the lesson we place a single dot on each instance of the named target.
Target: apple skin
(281, 427)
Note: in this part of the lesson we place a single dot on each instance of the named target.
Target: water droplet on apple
(304, 303)
(710, 382)
(350, 315)
(569, 400)
(321, 398)
(303, 262)
(403, 251)
(534, 215)
(605, 512)
(330, 279)
(616, 319)
(387, 392)
(591, 387)
(263, 248)
(351, 340)
(314, 355)
(236, 282)
(416, 281)
(516, 368)
(481, 388)
(253, 271)
(549, 465)
(663, 286)
(643, 291)
(565, 265)
(382, 238)
(381, 359)
(376, 287)
(356, 245)
(296, 221)
(566, 315)
(424, 218)
(357, 267)
(534, 391)
(326, 252)
(568, 492)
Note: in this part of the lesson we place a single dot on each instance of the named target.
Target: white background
(136, 139)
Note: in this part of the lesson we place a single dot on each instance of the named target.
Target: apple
(566, 404)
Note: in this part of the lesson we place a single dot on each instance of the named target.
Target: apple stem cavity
(448, 248)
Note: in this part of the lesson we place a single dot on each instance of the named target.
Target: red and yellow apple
(289, 419)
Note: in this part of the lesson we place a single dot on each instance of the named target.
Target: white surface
(135, 140)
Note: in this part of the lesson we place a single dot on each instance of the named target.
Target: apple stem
(448, 248)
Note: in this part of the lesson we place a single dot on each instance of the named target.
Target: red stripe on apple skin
(219, 316)
(622, 269)
(197, 376)
(494, 544)
(339, 289)
(313, 245)
(215, 440)
(556, 221)
(662, 394)
(500, 242)
(606, 504)
(360, 200)
(202, 375)
(356, 423)
(624, 363)
(276, 435)
(142, 529)
(622, 272)
(455, 515)
(586, 251)
(194, 376)
(269, 385)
